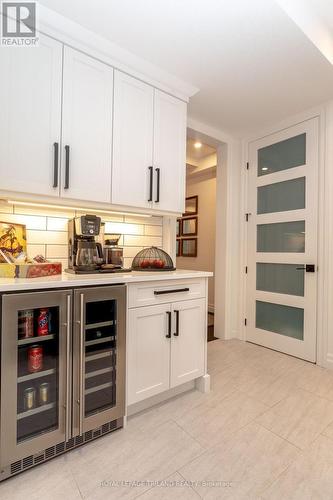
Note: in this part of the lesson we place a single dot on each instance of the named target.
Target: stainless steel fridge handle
(81, 370)
(68, 354)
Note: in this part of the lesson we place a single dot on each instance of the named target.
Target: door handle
(176, 334)
(150, 183)
(168, 335)
(68, 384)
(66, 186)
(158, 172)
(55, 164)
(81, 368)
(308, 268)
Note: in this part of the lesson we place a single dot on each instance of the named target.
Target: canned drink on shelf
(43, 322)
(26, 324)
(29, 398)
(44, 393)
(35, 358)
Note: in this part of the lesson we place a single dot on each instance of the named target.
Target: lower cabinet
(166, 347)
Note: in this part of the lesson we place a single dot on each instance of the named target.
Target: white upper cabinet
(132, 141)
(169, 152)
(30, 117)
(87, 128)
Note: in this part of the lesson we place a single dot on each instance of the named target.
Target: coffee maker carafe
(113, 254)
(84, 254)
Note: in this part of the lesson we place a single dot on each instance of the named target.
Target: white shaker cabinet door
(30, 117)
(188, 341)
(169, 152)
(132, 142)
(87, 128)
(148, 350)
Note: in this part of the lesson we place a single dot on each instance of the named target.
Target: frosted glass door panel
(281, 237)
(282, 155)
(281, 196)
(280, 278)
(277, 318)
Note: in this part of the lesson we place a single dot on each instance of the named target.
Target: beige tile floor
(265, 431)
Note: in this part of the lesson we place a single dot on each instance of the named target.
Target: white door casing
(87, 127)
(287, 340)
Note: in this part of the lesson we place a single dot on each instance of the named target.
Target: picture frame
(191, 205)
(189, 247)
(178, 247)
(190, 226)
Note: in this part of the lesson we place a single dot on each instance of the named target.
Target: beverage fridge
(62, 372)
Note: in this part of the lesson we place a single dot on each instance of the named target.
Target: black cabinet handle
(66, 186)
(178, 290)
(55, 164)
(308, 268)
(150, 183)
(176, 334)
(168, 335)
(157, 170)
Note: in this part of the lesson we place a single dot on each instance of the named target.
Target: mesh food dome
(152, 259)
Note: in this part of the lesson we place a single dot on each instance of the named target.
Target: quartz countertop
(76, 280)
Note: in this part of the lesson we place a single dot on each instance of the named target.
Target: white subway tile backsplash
(47, 230)
(145, 241)
(47, 237)
(56, 251)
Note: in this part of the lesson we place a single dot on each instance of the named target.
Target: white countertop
(73, 280)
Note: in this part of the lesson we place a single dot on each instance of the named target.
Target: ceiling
(252, 63)
(198, 153)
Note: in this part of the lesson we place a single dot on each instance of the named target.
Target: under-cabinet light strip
(81, 209)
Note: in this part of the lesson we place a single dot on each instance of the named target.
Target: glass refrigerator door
(101, 335)
(34, 369)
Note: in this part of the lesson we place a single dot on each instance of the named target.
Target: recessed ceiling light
(197, 145)
(264, 168)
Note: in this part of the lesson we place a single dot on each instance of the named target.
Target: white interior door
(282, 240)
(87, 128)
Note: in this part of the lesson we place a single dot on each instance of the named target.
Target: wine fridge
(62, 372)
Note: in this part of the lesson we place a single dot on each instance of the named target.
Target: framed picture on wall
(190, 226)
(191, 206)
(189, 247)
(178, 247)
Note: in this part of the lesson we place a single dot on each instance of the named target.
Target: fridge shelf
(99, 325)
(101, 340)
(32, 376)
(98, 372)
(98, 388)
(34, 340)
(100, 355)
(34, 411)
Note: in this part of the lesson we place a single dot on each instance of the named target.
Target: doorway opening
(196, 229)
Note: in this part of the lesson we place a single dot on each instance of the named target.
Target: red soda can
(43, 322)
(35, 358)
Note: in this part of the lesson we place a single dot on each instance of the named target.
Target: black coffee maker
(85, 255)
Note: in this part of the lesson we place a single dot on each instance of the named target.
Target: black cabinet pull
(176, 334)
(178, 290)
(150, 183)
(168, 335)
(157, 170)
(55, 164)
(66, 186)
(308, 268)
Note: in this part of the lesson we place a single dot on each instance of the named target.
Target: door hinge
(247, 165)
(245, 321)
(245, 269)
